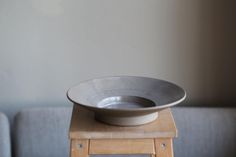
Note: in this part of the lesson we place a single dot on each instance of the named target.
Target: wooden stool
(89, 137)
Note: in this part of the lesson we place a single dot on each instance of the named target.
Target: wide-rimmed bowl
(126, 100)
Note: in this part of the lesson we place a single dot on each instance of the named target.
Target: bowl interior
(125, 102)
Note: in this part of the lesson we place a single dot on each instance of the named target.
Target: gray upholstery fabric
(203, 132)
(5, 144)
(42, 132)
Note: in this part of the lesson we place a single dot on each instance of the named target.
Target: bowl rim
(128, 109)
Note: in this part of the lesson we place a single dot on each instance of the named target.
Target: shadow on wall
(218, 43)
(214, 50)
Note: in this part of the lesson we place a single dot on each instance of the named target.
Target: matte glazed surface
(123, 97)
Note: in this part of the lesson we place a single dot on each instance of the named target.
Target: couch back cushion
(203, 132)
(5, 142)
(42, 132)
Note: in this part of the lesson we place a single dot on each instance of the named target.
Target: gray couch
(203, 132)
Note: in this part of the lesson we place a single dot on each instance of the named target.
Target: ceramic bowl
(126, 100)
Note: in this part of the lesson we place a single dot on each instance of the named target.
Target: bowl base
(127, 121)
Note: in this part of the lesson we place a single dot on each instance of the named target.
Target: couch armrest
(5, 142)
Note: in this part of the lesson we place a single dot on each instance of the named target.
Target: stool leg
(79, 148)
(164, 147)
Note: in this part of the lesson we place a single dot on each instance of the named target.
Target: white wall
(47, 46)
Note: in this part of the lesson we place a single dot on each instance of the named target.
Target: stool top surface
(84, 126)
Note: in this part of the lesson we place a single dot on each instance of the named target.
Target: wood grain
(84, 126)
(164, 147)
(119, 146)
(79, 148)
